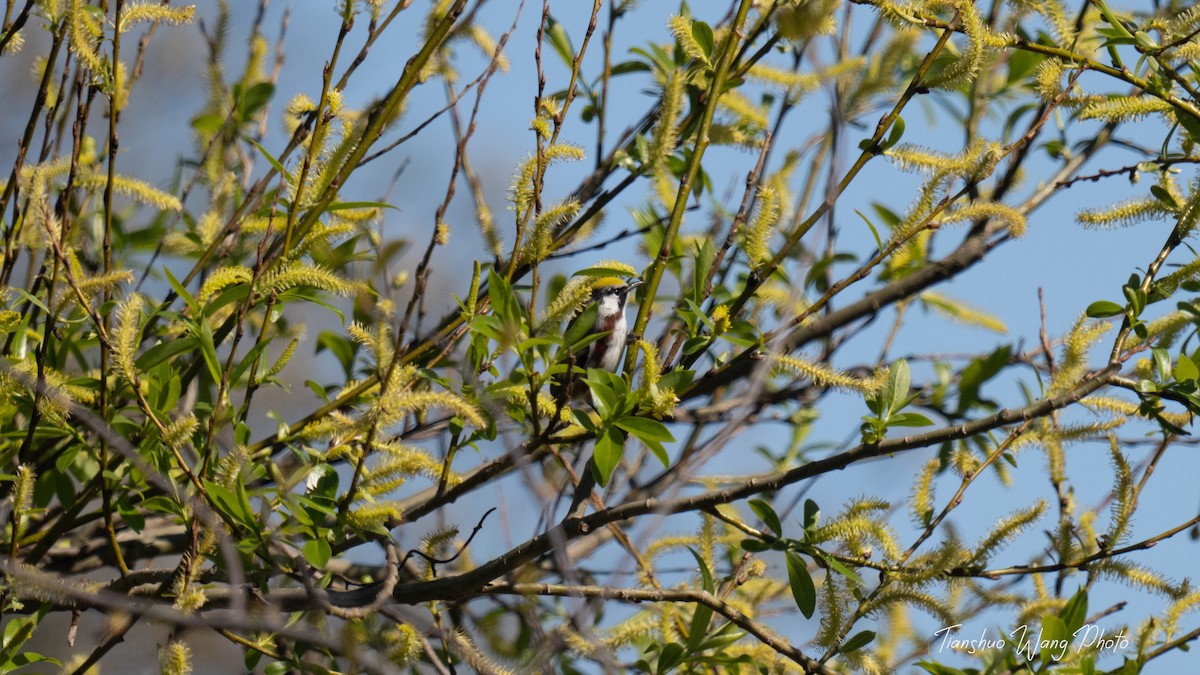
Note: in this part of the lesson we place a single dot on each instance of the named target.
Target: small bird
(607, 313)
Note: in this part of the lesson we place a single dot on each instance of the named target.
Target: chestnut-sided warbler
(606, 311)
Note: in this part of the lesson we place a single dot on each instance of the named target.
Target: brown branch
(639, 595)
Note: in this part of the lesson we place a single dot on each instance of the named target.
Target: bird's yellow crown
(607, 282)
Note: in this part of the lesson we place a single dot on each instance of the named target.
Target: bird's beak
(633, 283)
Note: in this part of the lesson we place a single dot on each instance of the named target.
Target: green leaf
(670, 656)
(878, 241)
(1145, 41)
(342, 206)
(1160, 193)
(695, 344)
(812, 514)
(723, 637)
(340, 346)
(767, 514)
(504, 301)
(909, 419)
(1162, 362)
(271, 158)
(165, 350)
(803, 589)
(208, 349)
(248, 360)
(1104, 308)
(1053, 631)
(584, 420)
(651, 433)
(1136, 296)
(1020, 64)
(162, 504)
(208, 124)
(229, 503)
(317, 552)
(646, 429)
(610, 445)
(1188, 122)
(895, 135)
(602, 272)
(754, 545)
(702, 613)
(580, 327)
(837, 566)
(182, 292)
(706, 577)
(857, 641)
(1074, 612)
(1185, 369)
(895, 392)
(935, 668)
(704, 35)
(705, 255)
(255, 98)
(604, 398)
(560, 41)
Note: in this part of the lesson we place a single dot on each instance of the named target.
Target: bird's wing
(577, 332)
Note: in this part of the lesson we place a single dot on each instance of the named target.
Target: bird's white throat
(609, 306)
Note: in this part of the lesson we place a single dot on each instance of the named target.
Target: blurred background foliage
(283, 291)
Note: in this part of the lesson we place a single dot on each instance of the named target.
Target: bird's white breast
(609, 307)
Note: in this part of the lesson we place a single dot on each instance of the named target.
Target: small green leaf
(270, 158)
(767, 514)
(602, 272)
(610, 445)
(560, 41)
(165, 350)
(208, 348)
(754, 545)
(670, 656)
(934, 668)
(703, 613)
(706, 577)
(801, 582)
(895, 392)
(896, 133)
(1162, 362)
(208, 124)
(1074, 612)
(878, 241)
(1104, 308)
(182, 292)
(703, 35)
(1191, 124)
(229, 503)
(646, 429)
(1145, 41)
(858, 641)
(317, 552)
(1053, 631)
(342, 206)
(837, 566)
(1160, 193)
(812, 514)
(1185, 369)
(255, 98)
(909, 419)
(504, 301)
